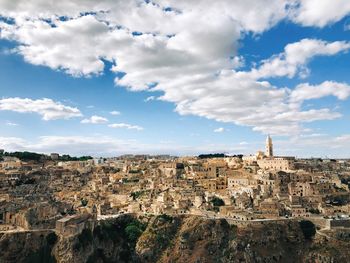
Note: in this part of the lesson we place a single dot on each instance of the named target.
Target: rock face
(175, 239)
(27, 247)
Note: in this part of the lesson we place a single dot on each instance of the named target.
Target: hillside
(173, 239)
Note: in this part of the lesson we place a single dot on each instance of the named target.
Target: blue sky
(222, 80)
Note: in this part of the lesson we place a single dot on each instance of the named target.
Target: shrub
(133, 233)
(308, 228)
(51, 239)
(165, 217)
(84, 202)
(216, 201)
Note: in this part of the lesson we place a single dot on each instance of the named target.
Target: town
(65, 194)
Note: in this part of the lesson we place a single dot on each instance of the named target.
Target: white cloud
(347, 25)
(150, 98)
(12, 144)
(295, 57)
(95, 120)
(75, 145)
(9, 123)
(306, 146)
(47, 108)
(319, 12)
(221, 129)
(188, 54)
(316, 145)
(126, 126)
(115, 112)
(305, 91)
(105, 146)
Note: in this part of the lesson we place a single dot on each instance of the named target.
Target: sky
(106, 78)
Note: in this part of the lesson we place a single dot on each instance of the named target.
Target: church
(267, 161)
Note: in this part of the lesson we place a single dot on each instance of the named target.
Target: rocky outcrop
(27, 247)
(177, 239)
(109, 241)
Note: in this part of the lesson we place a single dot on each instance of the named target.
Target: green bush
(51, 239)
(136, 195)
(84, 202)
(216, 201)
(134, 230)
(133, 233)
(165, 217)
(308, 228)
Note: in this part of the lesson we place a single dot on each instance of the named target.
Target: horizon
(174, 77)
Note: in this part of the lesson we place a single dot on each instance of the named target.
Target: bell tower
(269, 147)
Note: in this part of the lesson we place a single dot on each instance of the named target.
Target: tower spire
(269, 147)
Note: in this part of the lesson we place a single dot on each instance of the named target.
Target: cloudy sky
(175, 76)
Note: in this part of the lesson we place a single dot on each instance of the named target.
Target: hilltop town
(39, 194)
(68, 195)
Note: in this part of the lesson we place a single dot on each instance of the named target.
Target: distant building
(269, 147)
(54, 156)
(275, 163)
(99, 161)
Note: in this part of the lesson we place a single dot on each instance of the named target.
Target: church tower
(269, 147)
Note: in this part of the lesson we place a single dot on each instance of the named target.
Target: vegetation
(211, 155)
(51, 238)
(41, 255)
(25, 156)
(314, 211)
(233, 229)
(130, 228)
(134, 171)
(308, 228)
(130, 180)
(136, 195)
(218, 155)
(44, 253)
(32, 156)
(84, 202)
(134, 230)
(66, 158)
(85, 238)
(216, 201)
(165, 217)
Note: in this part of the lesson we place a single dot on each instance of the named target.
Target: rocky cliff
(176, 239)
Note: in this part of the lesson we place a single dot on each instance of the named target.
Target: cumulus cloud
(295, 57)
(150, 98)
(316, 145)
(221, 129)
(95, 120)
(105, 146)
(319, 12)
(125, 126)
(76, 145)
(9, 123)
(305, 91)
(115, 112)
(330, 146)
(185, 50)
(47, 108)
(12, 143)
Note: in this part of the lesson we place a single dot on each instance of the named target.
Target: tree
(216, 201)
(84, 202)
(308, 228)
